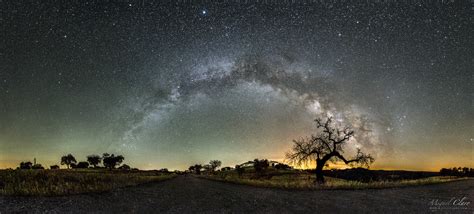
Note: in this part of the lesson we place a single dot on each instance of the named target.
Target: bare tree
(327, 145)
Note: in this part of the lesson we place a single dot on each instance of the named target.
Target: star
(159, 75)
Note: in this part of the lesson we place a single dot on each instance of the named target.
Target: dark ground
(192, 195)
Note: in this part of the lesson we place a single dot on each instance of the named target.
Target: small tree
(227, 168)
(281, 166)
(111, 161)
(94, 160)
(327, 145)
(37, 166)
(124, 167)
(260, 166)
(82, 165)
(164, 170)
(26, 165)
(197, 169)
(215, 164)
(207, 168)
(240, 170)
(68, 160)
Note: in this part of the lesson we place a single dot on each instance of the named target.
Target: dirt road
(194, 195)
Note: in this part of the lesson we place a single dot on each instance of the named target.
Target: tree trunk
(319, 173)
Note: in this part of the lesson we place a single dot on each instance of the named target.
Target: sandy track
(191, 195)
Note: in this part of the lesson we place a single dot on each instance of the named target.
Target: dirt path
(191, 195)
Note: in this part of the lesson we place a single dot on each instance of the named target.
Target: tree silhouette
(260, 166)
(82, 165)
(227, 168)
(240, 170)
(457, 172)
(68, 160)
(197, 168)
(37, 166)
(26, 165)
(207, 168)
(215, 164)
(110, 161)
(164, 170)
(125, 167)
(327, 145)
(281, 166)
(94, 160)
(54, 167)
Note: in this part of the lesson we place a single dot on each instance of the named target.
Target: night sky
(171, 84)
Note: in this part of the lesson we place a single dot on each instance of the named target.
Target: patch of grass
(67, 182)
(294, 180)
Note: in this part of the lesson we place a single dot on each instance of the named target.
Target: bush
(82, 165)
(37, 166)
(25, 165)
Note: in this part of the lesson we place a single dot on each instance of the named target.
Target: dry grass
(306, 181)
(66, 182)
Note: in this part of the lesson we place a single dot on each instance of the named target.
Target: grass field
(66, 182)
(302, 180)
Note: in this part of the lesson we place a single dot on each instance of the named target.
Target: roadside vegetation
(264, 173)
(96, 174)
(296, 179)
(67, 182)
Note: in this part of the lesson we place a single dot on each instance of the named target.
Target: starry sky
(173, 83)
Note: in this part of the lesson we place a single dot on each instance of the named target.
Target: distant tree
(227, 168)
(164, 170)
(445, 171)
(191, 168)
(26, 165)
(37, 166)
(215, 164)
(465, 170)
(260, 166)
(68, 160)
(94, 160)
(281, 166)
(197, 169)
(54, 167)
(327, 145)
(73, 165)
(240, 170)
(124, 167)
(111, 161)
(82, 165)
(457, 171)
(207, 168)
